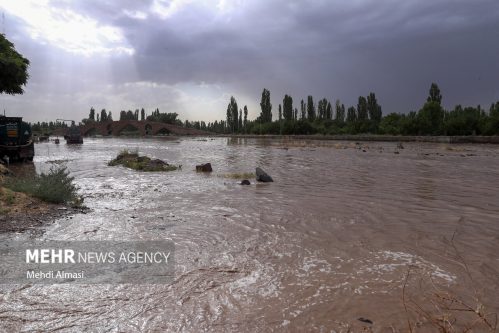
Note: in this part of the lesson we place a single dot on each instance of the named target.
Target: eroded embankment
(20, 212)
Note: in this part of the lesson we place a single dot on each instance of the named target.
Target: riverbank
(20, 212)
(379, 138)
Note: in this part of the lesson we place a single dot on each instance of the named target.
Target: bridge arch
(128, 129)
(163, 131)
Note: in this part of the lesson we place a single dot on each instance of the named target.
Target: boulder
(245, 182)
(204, 167)
(262, 176)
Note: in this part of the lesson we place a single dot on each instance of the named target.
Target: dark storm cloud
(330, 48)
(333, 49)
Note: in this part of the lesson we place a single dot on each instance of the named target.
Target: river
(334, 239)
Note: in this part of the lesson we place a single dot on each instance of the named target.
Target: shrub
(56, 186)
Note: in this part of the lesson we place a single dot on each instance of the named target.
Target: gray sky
(189, 56)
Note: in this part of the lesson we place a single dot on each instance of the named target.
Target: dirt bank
(20, 212)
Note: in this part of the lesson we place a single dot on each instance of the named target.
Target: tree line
(332, 118)
(366, 117)
(47, 127)
(156, 115)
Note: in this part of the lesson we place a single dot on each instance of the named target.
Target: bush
(56, 186)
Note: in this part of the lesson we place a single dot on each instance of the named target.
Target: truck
(73, 133)
(16, 141)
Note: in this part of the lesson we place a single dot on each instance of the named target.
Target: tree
(310, 108)
(245, 124)
(340, 112)
(303, 110)
(91, 115)
(362, 109)
(391, 124)
(351, 115)
(167, 118)
(266, 114)
(240, 124)
(110, 116)
(130, 115)
(430, 119)
(142, 114)
(13, 68)
(321, 108)
(287, 107)
(463, 121)
(103, 115)
(435, 95)
(373, 108)
(329, 111)
(229, 118)
(232, 115)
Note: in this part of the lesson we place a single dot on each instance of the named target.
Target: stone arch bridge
(143, 127)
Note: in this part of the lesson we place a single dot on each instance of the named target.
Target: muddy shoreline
(31, 214)
(20, 212)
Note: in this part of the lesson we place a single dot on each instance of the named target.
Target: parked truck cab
(16, 139)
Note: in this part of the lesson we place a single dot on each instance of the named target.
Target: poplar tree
(310, 108)
(245, 118)
(266, 113)
(287, 106)
(362, 109)
(303, 110)
(435, 95)
(373, 108)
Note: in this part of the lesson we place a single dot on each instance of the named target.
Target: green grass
(56, 186)
(133, 161)
(9, 197)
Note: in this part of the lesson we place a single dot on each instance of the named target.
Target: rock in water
(245, 182)
(204, 167)
(262, 176)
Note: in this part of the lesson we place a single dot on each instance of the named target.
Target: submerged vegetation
(56, 186)
(132, 160)
(244, 175)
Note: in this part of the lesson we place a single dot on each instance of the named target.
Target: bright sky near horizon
(190, 56)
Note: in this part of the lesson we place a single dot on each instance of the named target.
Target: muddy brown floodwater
(329, 242)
